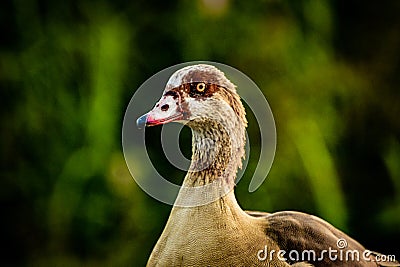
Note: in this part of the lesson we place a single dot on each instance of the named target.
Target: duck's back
(303, 237)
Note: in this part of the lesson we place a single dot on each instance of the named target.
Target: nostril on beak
(164, 107)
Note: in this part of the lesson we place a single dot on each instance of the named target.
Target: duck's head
(196, 95)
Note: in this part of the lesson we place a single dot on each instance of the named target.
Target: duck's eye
(200, 87)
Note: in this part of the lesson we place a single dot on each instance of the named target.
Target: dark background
(329, 69)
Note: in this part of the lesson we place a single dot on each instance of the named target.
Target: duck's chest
(195, 239)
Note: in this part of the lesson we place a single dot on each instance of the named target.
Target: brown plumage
(218, 232)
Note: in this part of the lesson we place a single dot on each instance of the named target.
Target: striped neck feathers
(217, 151)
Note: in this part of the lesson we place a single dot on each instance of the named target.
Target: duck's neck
(218, 149)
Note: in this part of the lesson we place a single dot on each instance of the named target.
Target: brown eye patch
(197, 90)
(200, 89)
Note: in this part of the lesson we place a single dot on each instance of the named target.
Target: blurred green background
(329, 69)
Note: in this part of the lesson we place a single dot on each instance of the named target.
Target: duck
(206, 225)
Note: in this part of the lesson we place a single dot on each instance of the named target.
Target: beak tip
(141, 121)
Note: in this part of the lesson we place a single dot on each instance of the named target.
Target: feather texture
(218, 232)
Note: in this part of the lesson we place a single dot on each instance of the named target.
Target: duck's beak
(166, 110)
(141, 121)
